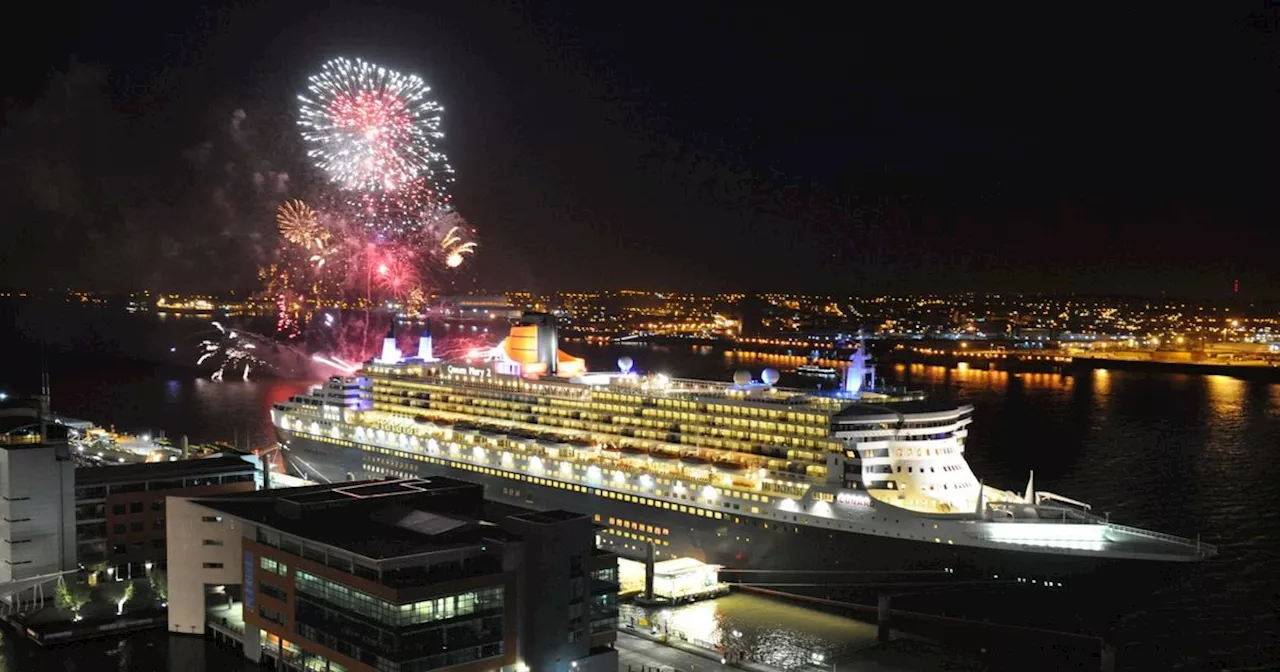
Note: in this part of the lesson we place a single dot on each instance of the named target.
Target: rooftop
(153, 471)
(378, 520)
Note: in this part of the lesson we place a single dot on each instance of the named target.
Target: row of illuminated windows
(552, 483)
(542, 422)
(661, 481)
(387, 471)
(752, 411)
(631, 525)
(640, 537)
(273, 566)
(518, 411)
(924, 452)
(326, 438)
(425, 611)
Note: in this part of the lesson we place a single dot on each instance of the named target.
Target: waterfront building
(395, 575)
(120, 510)
(37, 519)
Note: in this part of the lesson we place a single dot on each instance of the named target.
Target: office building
(120, 510)
(37, 519)
(400, 575)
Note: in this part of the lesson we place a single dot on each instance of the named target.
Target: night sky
(674, 145)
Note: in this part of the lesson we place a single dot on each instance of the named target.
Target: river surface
(1186, 454)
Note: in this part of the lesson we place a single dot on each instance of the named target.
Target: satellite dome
(769, 376)
(625, 364)
(742, 378)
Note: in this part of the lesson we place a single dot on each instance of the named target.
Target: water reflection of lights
(772, 632)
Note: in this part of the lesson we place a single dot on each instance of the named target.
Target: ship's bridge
(908, 454)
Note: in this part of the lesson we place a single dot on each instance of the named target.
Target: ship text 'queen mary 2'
(744, 474)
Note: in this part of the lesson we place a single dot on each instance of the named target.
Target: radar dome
(769, 376)
(742, 378)
(625, 364)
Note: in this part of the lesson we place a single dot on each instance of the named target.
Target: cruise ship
(743, 473)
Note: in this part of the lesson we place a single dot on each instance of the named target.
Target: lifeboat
(662, 458)
(422, 419)
(731, 467)
(632, 452)
(693, 461)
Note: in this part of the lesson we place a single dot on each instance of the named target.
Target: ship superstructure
(743, 473)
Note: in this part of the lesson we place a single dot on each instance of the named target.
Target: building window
(157, 544)
(118, 528)
(271, 615)
(211, 542)
(135, 507)
(273, 591)
(117, 509)
(274, 567)
(157, 505)
(136, 526)
(212, 565)
(158, 524)
(211, 519)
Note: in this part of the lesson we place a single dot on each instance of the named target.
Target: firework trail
(241, 353)
(373, 129)
(454, 249)
(233, 353)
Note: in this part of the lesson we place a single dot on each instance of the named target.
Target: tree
(72, 596)
(160, 585)
(117, 592)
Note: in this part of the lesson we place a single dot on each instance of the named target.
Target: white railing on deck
(1201, 547)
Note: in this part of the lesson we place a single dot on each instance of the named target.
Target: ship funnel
(390, 353)
(548, 347)
(424, 345)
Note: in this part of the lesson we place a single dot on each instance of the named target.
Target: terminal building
(401, 575)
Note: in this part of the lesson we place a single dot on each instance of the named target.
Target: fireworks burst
(454, 249)
(298, 224)
(373, 129)
(372, 235)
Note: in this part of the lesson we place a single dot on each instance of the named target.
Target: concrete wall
(187, 526)
(37, 514)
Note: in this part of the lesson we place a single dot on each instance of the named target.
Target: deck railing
(1203, 549)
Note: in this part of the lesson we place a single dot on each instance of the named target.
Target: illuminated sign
(853, 499)
(467, 371)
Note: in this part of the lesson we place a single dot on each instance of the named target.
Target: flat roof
(156, 471)
(378, 519)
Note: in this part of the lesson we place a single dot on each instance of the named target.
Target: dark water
(1189, 455)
